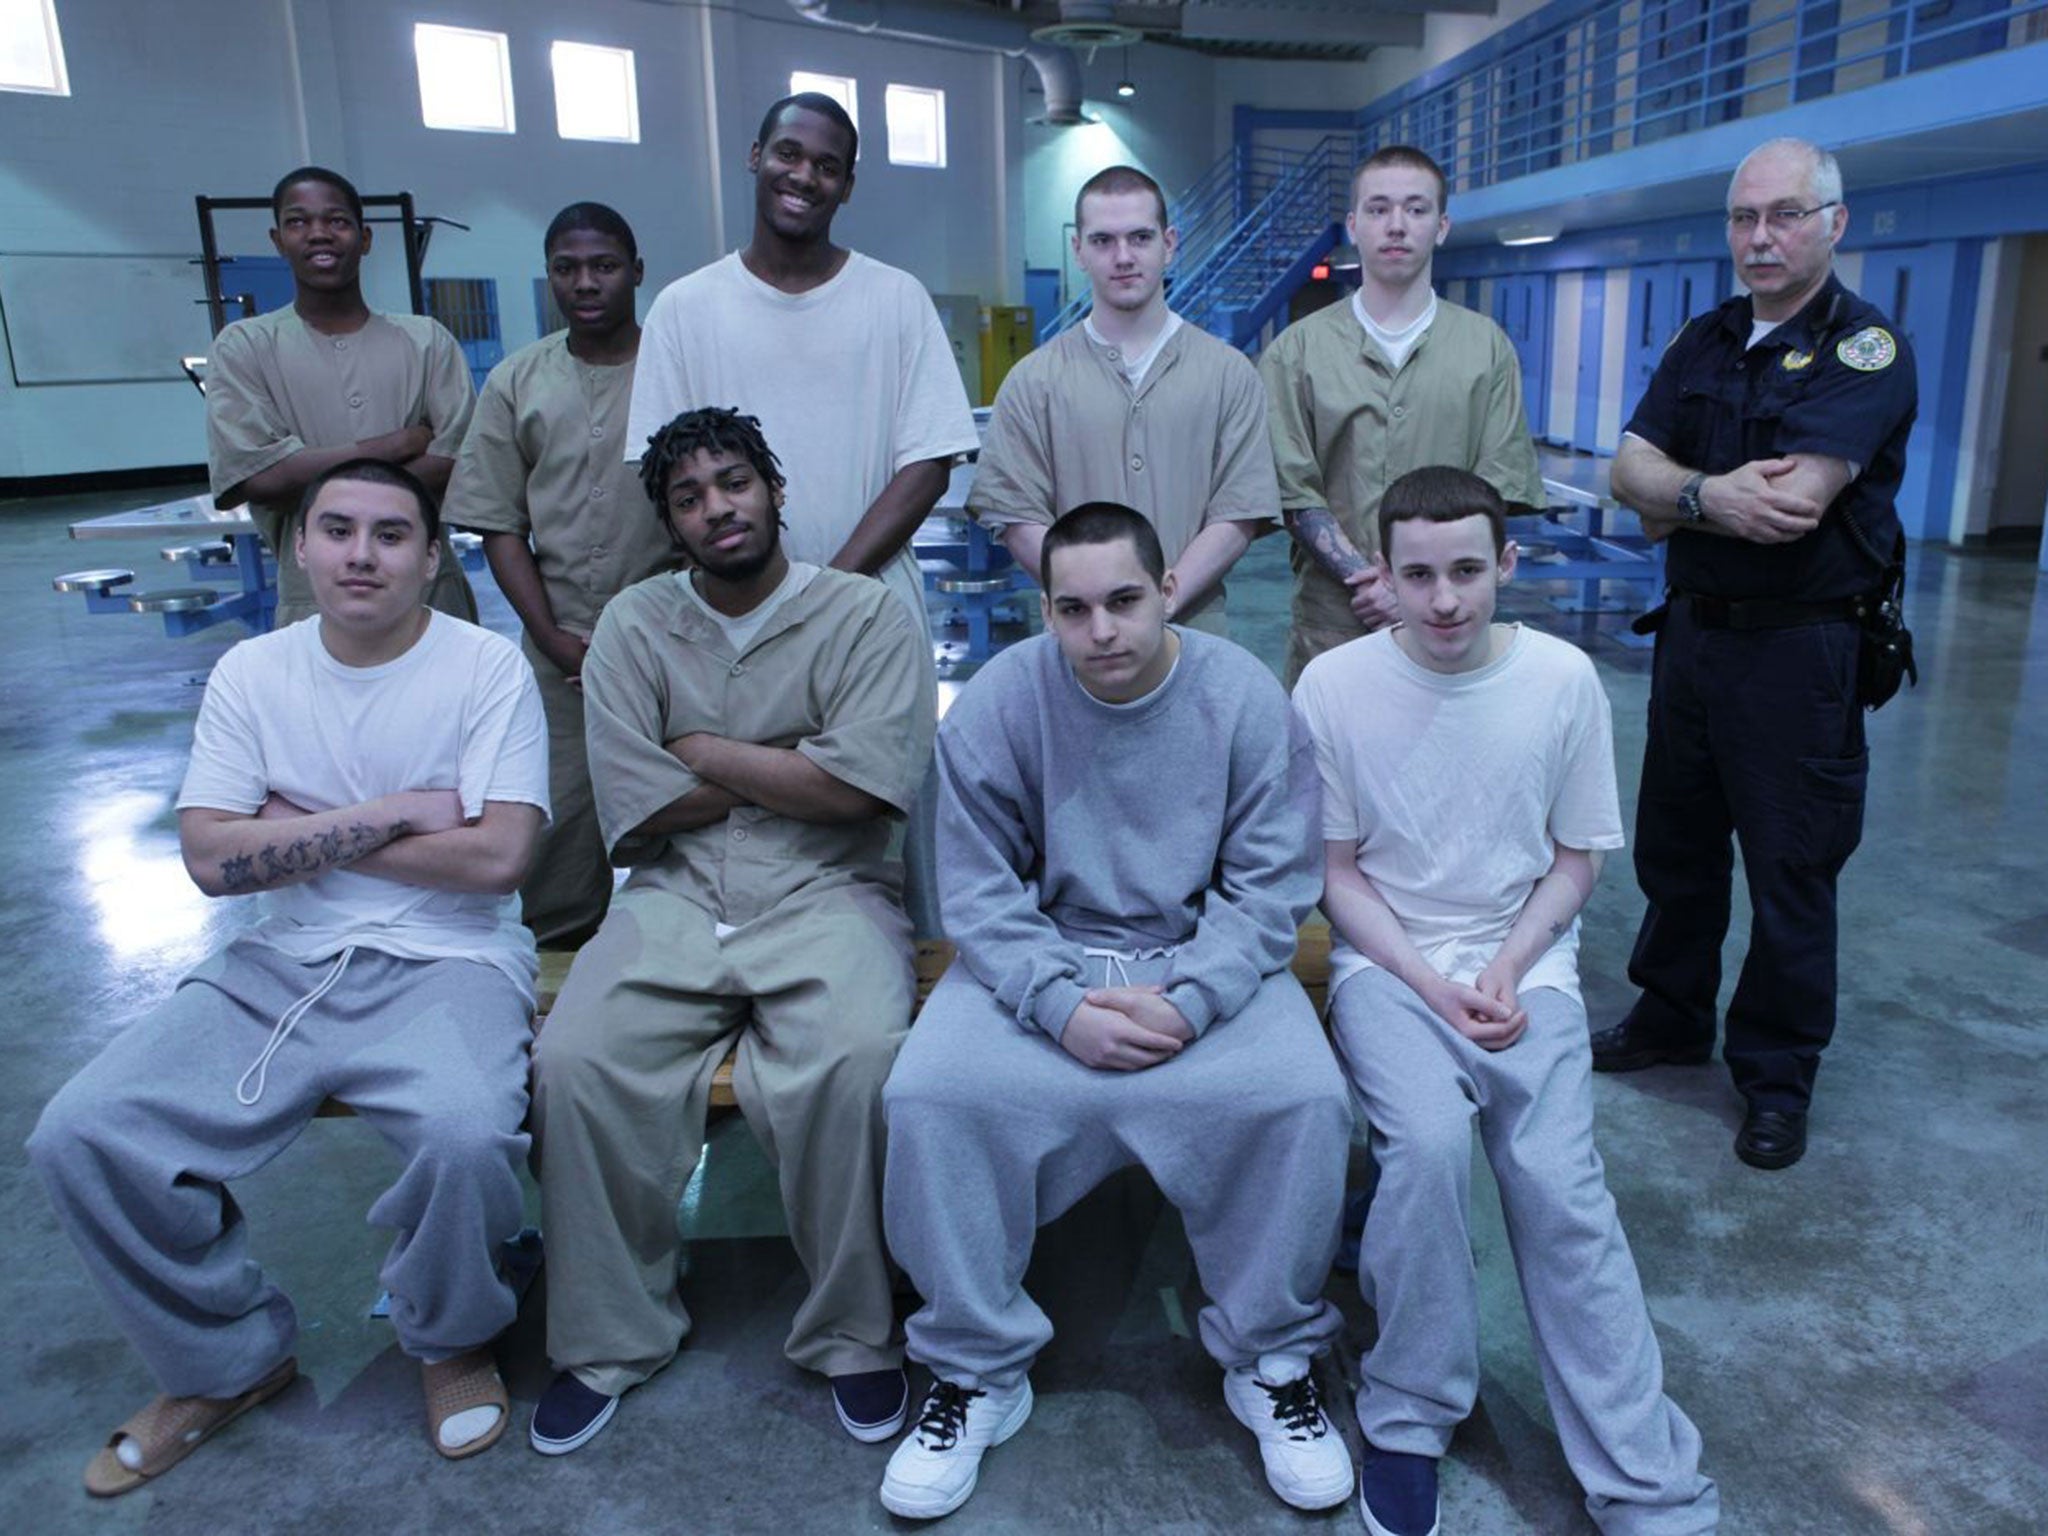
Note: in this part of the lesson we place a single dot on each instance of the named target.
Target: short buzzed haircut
(812, 101)
(1406, 155)
(1120, 178)
(377, 472)
(1440, 494)
(598, 219)
(1824, 172)
(318, 173)
(1103, 522)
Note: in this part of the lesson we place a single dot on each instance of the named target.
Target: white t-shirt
(1134, 365)
(739, 632)
(1457, 786)
(852, 381)
(459, 710)
(1396, 344)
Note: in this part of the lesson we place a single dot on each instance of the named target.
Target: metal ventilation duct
(929, 21)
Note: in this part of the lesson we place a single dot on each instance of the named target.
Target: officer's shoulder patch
(1792, 362)
(1868, 350)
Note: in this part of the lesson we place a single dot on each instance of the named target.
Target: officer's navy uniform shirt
(1835, 379)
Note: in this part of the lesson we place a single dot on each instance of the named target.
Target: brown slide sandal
(170, 1429)
(455, 1386)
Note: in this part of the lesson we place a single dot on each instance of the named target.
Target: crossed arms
(416, 837)
(737, 773)
(1766, 501)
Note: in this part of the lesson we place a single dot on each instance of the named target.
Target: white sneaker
(1307, 1462)
(934, 1470)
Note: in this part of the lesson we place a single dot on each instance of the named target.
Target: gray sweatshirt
(1189, 818)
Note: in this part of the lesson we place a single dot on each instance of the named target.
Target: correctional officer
(1768, 449)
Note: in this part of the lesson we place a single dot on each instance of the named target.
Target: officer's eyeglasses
(1782, 220)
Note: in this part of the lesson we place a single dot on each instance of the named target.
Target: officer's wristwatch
(1689, 506)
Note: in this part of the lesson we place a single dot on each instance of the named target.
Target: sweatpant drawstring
(281, 1031)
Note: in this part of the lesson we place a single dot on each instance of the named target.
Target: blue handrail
(1243, 223)
(1623, 73)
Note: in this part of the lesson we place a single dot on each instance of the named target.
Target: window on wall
(839, 87)
(917, 125)
(31, 52)
(465, 78)
(595, 95)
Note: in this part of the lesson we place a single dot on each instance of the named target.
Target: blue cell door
(1042, 293)
(1661, 297)
(1930, 294)
(1592, 352)
(1521, 308)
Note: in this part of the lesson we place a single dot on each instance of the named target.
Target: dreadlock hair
(708, 429)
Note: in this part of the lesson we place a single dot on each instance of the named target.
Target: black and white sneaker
(568, 1415)
(1306, 1460)
(934, 1470)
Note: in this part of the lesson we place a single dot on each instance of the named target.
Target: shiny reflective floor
(1862, 1339)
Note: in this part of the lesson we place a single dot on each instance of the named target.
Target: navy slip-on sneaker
(568, 1414)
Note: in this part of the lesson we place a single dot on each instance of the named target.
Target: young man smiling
(756, 725)
(842, 360)
(378, 774)
(292, 393)
(1134, 407)
(1361, 393)
(1122, 996)
(1468, 790)
(564, 528)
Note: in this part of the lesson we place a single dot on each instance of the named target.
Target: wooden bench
(1311, 969)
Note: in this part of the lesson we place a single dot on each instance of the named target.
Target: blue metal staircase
(1250, 232)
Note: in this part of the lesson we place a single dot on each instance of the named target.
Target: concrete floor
(1861, 1339)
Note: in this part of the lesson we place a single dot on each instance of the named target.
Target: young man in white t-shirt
(1468, 792)
(842, 360)
(378, 773)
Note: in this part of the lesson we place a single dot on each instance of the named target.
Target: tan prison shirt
(274, 386)
(542, 460)
(836, 673)
(1346, 425)
(1188, 447)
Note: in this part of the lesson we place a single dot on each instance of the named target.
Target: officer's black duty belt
(1763, 612)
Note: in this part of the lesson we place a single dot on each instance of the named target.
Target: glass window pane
(839, 87)
(595, 97)
(31, 52)
(465, 78)
(917, 125)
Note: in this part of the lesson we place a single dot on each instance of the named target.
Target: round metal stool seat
(92, 581)
(174, 599)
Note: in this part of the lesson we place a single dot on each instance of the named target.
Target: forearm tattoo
(1317, 532)
(277, 862)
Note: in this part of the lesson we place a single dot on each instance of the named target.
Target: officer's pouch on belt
(1884, 649)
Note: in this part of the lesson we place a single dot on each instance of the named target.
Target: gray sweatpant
(137, 1149)
(1423, 1084)
(995, 1130)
